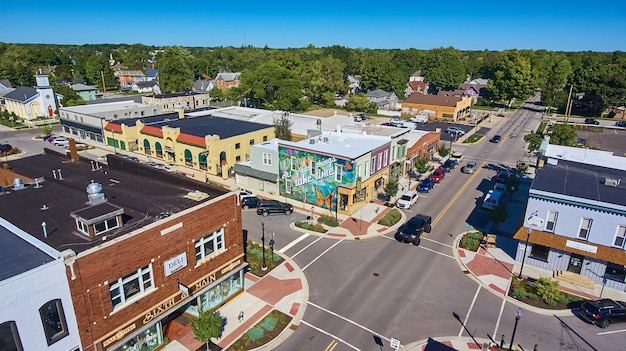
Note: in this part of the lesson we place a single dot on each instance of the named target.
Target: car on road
(5, 148)
(438, 175)
(419, 119)
(455, 130)
(47, 137)
(591, 121)
(250, 202)
(426, 185)
(267, 207)
(407, 200)
(469, 168)
(449, 165)
(411, 231)
(603, 312)
(496, 138)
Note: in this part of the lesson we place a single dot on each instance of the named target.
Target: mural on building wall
(313, 178)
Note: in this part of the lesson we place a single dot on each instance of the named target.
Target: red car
(438, 175)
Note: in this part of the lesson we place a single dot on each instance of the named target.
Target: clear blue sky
(554, 25)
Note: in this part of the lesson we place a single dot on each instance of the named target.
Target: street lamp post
(264, 266)
(533, 221)
(518, 315)
(520, 276)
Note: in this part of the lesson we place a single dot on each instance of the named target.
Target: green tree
(422, 164)
(443, 68)
(324, 76)
(274, 86)
(15, 66)
(174, 71)
(282, 127)
(360, 102)
(207, 326)
(498, 214)
(135, 56)
(534, 140)
(216, 94)
(70, 97)
(392, 187)
(378, 71)
(562, 134)
(512, 77)
(95, 67)
(548, 289)
(444, 150)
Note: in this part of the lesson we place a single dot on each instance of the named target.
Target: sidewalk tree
(208, 325)
(562, 134)
(391, 189)
(512, 77)
(444, 150)
(534, 140)
(421, 164)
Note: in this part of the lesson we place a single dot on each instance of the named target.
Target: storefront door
(575, 263)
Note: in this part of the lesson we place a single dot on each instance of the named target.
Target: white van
(492, 199)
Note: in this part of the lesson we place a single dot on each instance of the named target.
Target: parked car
(620, 123)
(456, 157)
(396, 121)
(469, 168)
(250, 202)
(5, 148)
(438, 175)
(243, 193)
(47, 137)
(266, 207)
(455, 130)
(407, 200)
(59, 141)
(411, 231)
(503, 176)
(496, 138)
(419, 119)
(603, 312)
(449, 165)
(425, 185)
(360, 117)
(591, 121)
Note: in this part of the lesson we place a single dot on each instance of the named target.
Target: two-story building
(225, 80)
(37, 311)
(384, 100)
(31, 103)
(86, 92)
(575, 217)
(171, 102)
(441, 107)
(140, 248)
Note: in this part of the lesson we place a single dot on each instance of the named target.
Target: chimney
(73, 150)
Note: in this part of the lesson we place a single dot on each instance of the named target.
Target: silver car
(469, 168)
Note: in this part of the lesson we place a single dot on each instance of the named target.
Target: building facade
(576, 216)
(440, 107)
(32, 103)
(172, 102)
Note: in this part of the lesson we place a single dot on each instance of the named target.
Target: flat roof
(210, 125)
(344, 145)
(17, 255)
(144, 193)
(104, 107)
(579, 180)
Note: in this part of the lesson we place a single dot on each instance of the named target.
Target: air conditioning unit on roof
(611, 182)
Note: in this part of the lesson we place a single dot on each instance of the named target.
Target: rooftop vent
(94, 193)
(611, 182)
(197, 195)
(18, 184)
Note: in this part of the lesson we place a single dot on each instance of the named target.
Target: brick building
(141, 246)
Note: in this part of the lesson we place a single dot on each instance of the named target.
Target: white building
(575, 217)
(36, 311)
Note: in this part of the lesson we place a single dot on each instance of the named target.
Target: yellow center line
(458, 193)
(331, 346)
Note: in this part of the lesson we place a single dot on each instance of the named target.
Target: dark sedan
(448, 165)
(496, 139)
(425, 185)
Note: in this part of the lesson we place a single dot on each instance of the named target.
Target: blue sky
(557, 25)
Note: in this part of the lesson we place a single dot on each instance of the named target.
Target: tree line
(298, 79)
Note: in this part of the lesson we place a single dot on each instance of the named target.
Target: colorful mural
(313, 178)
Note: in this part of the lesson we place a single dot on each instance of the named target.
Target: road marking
(436, 242)
(495, 329)
(425, 248)
(612, 332)
(349, 321)
(306, 247)
(331, 346)
(458, 193)
(464, 325)
(322, 254)
(291, 244)
(437, 252)
(329, 334)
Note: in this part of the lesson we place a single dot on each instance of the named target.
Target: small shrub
(548, 289)
(308, 226)
(268, 324)
(255, 333)
(303, 224)
(328, 220)
(471, 241)
(391, 218)
(523, 294)
(385, 221)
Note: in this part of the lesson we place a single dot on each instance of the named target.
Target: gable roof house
(416, 86)
(203, 85)
(575, 221)
(5, 84)
(384, 100)
(86, 92)
(128, 77)
(225, 80)
(32, 103)
(475, 88)
(353, 84)
(441, 107)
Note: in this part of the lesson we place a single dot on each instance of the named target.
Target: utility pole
(104, 87)
(568, 108)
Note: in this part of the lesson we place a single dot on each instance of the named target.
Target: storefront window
(147, 340)
(217, 294)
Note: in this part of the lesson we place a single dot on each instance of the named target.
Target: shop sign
(175, 264)
(581, 246)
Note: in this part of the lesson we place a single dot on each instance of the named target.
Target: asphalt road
(362, 293)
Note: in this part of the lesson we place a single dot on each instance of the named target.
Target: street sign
(394, 343)
(312, 209)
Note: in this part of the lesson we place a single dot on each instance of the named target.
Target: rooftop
(145, 194)
(101, 107)
(209, 125)
(580, 181)
(340, 144)
(18, 254)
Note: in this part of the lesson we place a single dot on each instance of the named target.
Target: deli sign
(175, 264)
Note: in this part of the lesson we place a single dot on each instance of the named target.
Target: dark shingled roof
(582, 181)
(21, 94)
(210, 125)
(146, 194)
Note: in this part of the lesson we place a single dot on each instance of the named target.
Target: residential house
(354, 84)
(5, 84)
(139, 248)
(37, 311)
(441, 107)
(225, 80)
(32, 103)
(575, 221)
(415, 86)
(152, 75)
(203, 85)
(384, 100)
(476, 88)
(86, 92)
(128, 77)
(148, 86)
